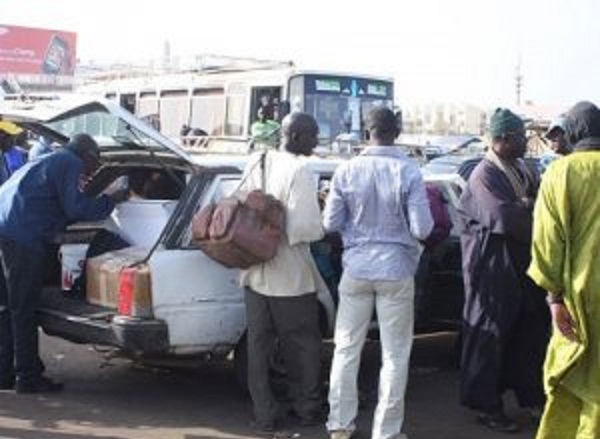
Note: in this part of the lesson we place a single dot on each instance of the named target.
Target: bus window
(208, 110)
(174, 111)
(127, 101)
(267, 98)
(147, 104)
(236, 110)
(340, 103)
(296, 94)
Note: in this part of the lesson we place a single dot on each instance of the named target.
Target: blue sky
(437, 50)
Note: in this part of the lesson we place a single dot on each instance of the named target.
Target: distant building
(444, 119)
(540, 115)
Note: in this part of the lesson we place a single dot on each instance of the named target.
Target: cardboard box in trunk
(103, 275)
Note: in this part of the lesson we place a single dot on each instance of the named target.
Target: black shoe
(7, 383)
(266, 427)
(498, 421)
(309, 419)
(40, 385)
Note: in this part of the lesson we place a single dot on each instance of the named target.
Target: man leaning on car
(36, 203)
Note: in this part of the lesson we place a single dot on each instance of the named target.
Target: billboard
(25, 50)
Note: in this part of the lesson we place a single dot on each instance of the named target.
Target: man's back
(569, 188)
(43, 196)
(380, 207)
(378, 203)
(291, 272)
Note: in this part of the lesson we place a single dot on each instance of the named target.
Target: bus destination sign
(349, 86)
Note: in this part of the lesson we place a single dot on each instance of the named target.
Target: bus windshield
(339, 103)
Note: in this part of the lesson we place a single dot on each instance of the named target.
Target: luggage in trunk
(104, 275)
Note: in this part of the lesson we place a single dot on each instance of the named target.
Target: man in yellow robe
(566, 262)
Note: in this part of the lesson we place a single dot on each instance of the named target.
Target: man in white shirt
(281, 294)
(379, 205)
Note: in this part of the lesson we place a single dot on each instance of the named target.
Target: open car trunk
(156, 172)
(84, 266)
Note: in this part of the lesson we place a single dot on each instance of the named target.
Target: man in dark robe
(506, 321)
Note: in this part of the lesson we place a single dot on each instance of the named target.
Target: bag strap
(260, 162)
(263, 176)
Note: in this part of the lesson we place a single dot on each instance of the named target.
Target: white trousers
(394, 303)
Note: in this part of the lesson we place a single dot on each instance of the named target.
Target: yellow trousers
(568, 417)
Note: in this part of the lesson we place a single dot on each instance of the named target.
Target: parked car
(171, 300)
(162, 298)
(464, 164)
(439, 291)
(459, 164)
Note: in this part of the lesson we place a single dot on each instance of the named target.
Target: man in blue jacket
(40, 200)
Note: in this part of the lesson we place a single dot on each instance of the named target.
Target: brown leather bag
(243, 229)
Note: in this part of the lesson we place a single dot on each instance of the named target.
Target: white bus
(224, 102)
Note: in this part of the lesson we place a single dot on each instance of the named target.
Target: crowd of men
(529, 254)
(528, 261)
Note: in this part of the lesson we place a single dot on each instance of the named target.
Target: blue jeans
(21, 277)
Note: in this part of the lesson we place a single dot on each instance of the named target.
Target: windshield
(107, 129)
(339, 103)
(339, 115)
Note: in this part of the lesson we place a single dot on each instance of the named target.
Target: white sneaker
(340, 434)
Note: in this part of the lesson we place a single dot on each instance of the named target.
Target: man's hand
(120, 195)
(563, 321)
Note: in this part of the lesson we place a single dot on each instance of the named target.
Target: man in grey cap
(556, 136)
(506, 321)
(36, 203)
(558, 143)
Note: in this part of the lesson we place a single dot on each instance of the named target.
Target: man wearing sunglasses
(506, 321)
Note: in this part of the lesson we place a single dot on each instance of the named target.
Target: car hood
(115, 129)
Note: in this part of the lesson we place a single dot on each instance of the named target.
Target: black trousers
(497, 357)
(21, 277)
(293, 322)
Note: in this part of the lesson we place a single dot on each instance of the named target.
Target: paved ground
(119, 401)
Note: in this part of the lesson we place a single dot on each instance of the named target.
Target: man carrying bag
(281, 294)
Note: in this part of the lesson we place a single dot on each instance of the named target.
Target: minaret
(519, 81)
(166, 62)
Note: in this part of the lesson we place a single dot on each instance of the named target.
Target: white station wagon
(160, 298)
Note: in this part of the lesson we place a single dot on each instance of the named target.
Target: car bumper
(79, 322)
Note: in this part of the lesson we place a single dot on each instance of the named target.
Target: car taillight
(135, 297)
